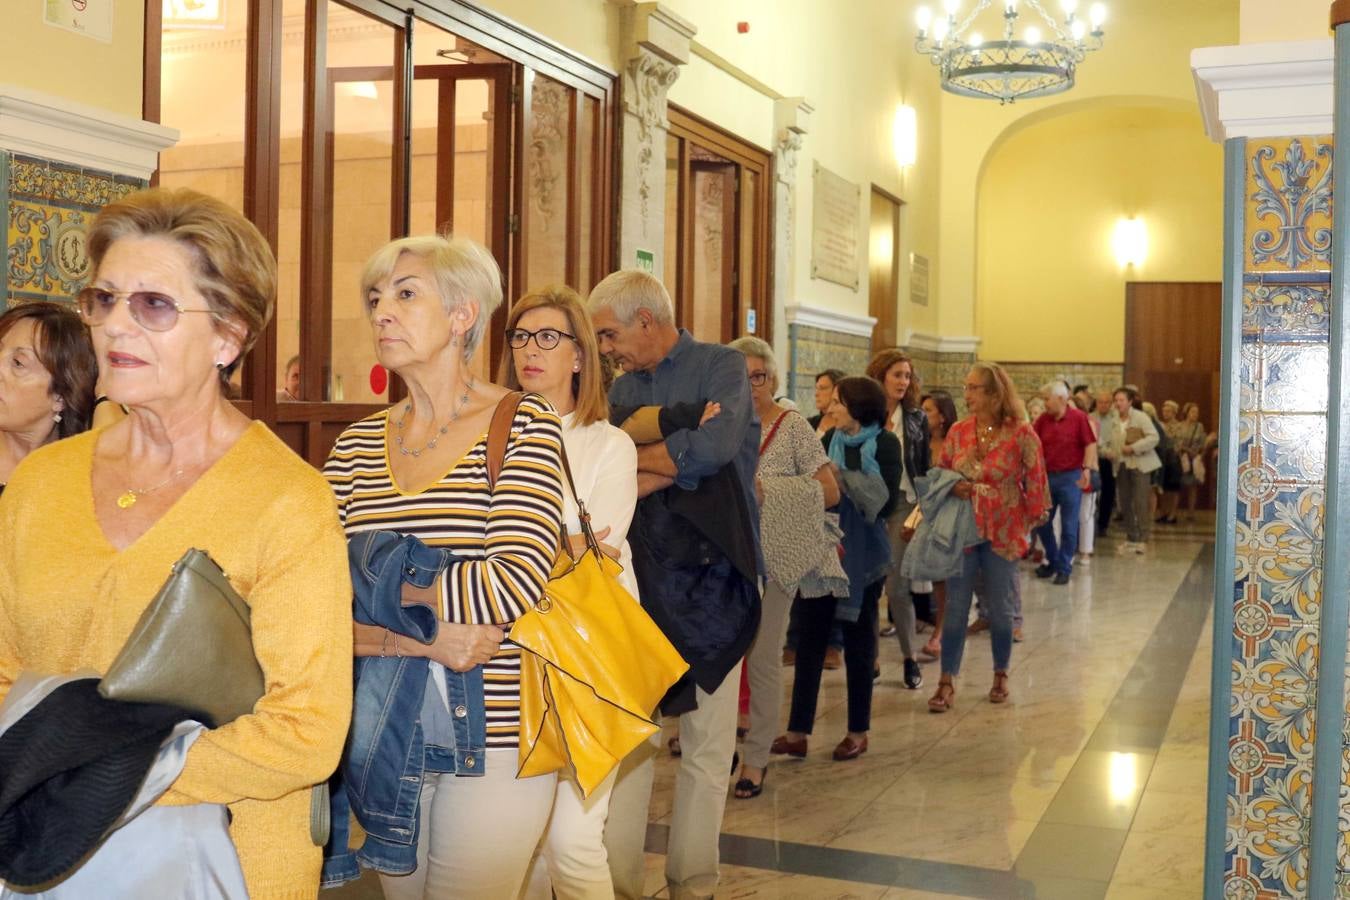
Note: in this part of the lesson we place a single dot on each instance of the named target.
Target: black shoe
(1045, 571)
(913, 675)
(1061, 578)
(735, 762)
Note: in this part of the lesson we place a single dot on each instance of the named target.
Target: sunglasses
(545, 338)
(149, 309)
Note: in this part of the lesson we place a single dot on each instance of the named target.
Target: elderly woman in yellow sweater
(90, 526)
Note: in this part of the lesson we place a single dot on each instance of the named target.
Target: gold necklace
(454, 417)
(129, 497)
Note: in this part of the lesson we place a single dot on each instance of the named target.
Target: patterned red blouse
(1012, 493)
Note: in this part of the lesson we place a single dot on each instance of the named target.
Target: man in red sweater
(1070, 458)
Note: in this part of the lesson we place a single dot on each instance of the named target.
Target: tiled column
(60, 163)
(1271, 610)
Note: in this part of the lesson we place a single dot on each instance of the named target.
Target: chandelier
(1034, 63)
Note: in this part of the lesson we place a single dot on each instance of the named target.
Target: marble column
(658, 44)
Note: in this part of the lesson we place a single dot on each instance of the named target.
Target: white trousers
(477, 835)
(1087, 523)
(707, 742)
(571, 862)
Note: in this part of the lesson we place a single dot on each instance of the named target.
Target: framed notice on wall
(918, 279)
(836, 220)
(91, 18)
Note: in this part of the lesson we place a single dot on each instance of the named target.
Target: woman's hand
(1127, 450)
(578, 544)
(964, 489)
(461, 647)
(709, 411)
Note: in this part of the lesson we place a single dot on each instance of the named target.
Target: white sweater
(604, 464)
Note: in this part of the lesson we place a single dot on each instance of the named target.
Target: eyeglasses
(544, 338)
(155, 311)
(759, 379)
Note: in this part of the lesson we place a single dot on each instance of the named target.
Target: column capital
(656, 29)
(791, 120)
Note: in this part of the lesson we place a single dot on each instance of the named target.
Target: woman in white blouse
(553, 353)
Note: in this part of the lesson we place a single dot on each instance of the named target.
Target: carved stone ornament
(648, 79)
(785, 155)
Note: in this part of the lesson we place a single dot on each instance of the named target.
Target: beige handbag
(193, 648)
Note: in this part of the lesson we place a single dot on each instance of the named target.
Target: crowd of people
(383, 592)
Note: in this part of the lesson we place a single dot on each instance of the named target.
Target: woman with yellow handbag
(554, 353)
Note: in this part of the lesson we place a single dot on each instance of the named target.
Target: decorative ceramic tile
(813, 350)
(1031, 377)
(1288, 221)
(1282, 429)
(1286, 312)
(48, 207)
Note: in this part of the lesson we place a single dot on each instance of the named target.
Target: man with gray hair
(698, 572)
(1070, 458)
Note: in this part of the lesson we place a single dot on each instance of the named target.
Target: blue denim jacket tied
(388, 750)
(948, 528)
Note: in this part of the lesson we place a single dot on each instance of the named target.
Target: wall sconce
(1130, 242)
(905, 136)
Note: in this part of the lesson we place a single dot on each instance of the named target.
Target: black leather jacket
(917, 455)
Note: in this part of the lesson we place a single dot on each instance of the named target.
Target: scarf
(866, 438)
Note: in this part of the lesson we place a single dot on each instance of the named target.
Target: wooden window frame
(309, 424)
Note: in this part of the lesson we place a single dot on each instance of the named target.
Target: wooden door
(883, 267)
(1172, 345)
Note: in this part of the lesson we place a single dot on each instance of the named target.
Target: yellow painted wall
(1284, 20)
(589, 28)
(1146, 58)
(1050, 288)
(43, 58)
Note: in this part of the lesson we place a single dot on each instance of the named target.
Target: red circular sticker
(379, 379)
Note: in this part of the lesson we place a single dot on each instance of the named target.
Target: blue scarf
(866, 438)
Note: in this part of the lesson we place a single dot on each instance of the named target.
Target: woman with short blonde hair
(420, 468)
(90, 526)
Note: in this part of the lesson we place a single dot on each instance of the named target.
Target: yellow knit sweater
(68, 600)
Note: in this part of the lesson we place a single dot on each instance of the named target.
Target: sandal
(945, 696)
(932, 649)
(999, 692)
(748, 790)
(674, 746)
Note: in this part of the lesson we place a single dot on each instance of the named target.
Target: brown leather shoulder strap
(499, 433)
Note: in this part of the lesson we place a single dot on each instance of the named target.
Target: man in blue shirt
(664, 366)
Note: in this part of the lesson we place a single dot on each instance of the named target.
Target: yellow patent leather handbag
(595, 665)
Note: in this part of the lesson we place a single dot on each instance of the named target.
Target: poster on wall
(91, 18)
(836, 220)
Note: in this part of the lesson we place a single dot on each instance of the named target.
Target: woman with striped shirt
(420, 468)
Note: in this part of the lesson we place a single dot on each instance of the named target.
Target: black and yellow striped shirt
(506, 538)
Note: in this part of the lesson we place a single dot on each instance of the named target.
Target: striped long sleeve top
(506, 538)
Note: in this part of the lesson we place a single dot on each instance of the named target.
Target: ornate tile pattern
(1280, 492)
(811, 350)
(48, 207)
(1031, 377)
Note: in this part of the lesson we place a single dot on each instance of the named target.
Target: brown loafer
(783, 747)
(850, 749)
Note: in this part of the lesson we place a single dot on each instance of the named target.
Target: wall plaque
(91, 18)
(836, 221)
(918, 279)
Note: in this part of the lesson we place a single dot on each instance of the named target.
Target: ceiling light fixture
(1039, 64)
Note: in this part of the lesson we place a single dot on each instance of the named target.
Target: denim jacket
(387, 752)
(948, 528)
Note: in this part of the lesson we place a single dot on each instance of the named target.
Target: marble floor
(1089, 784)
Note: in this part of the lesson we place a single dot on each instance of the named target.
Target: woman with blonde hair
(998, 454)
(90, 527)
(894, 371)
(420, 468)
(554, 354)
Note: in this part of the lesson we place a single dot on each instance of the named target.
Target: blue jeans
(997, 579)
(1066, 497)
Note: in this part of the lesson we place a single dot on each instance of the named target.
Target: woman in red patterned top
(1000, 457)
